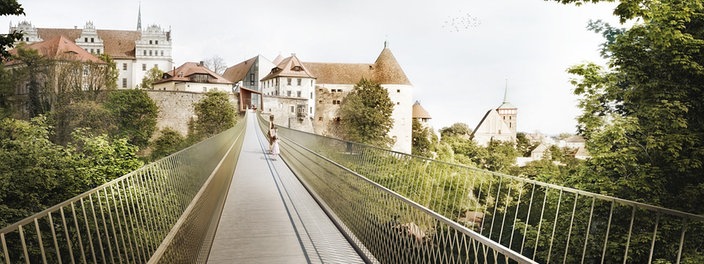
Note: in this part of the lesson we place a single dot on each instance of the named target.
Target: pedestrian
(271, 133)
(275, 146)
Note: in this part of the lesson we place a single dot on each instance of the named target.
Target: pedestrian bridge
(225, 200)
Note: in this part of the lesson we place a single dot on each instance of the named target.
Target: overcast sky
(457, 53)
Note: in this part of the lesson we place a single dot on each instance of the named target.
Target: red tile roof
(188, 69)
(238, 72)
(119, 44)
(60, 48)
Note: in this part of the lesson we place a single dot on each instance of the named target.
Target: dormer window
(297, 68)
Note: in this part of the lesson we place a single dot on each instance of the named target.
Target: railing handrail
(474, 235)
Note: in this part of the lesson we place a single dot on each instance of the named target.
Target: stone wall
(176, 108)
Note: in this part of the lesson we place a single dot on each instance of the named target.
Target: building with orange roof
(134, 51)
(193, 77)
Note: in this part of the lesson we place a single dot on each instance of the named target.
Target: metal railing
(384, 225)
(544, 222)
(166, 211)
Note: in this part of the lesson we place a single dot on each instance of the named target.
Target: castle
(497, 124)
(307, 95)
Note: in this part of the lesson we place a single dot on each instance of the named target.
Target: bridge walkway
(269, 217)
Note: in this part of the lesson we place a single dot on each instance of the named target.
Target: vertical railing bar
(569, 233)
(145, 208)
(97, 226)
(589, 226)
(128, 234)
(78, 232)
(53, 235)
(105, 226)
(464, 187)
(503, 220)
(20, 230)
(90, 237)
(4, 248)
(515, 216)
(608, 230)
(119, 226)
(156, 181)
(496, 205)
(525, 228)
(41, 242)
(684, 230)
(655, 235)
(68, 238)
(481, 225)
(134, 219)
(540, 223)
(630, 231)
(554, 225)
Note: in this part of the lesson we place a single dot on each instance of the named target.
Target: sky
(460, 55)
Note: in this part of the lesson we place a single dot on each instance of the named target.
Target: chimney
(200, 63)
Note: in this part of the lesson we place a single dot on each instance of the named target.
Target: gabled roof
(491, 123)
(118, 43)
(385, 70)
(277, 60)
(184, 72)
(340, 73)
(419, 111)
(289, 67)
(238, 72)
(60, 48)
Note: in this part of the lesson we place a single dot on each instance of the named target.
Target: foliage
(36, 173)
(110, 73)
(423, 139)
(85, 114)
(9, 7)
(214, 113)
(32, 73)
(135, 114)
(456, 129)
(365, 114)
(6, 92)
(523, 145)
(644, 116)
(154, 74)
(167, 143)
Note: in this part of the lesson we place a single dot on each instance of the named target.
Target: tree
(167, 143)
(9, 7)
(135, 113)
(84, 114)
(456, 129)
(423, 140)
(365, 114)
(32, 72)
(6, 92)
(153, 75)
(216, 64)
(214, 113)
(643, 118)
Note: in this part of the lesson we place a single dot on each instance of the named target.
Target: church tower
(508, 112)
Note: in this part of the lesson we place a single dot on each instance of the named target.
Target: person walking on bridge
(271, 133)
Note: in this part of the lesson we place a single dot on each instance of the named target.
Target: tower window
(85, 39)
(144, 67)
(124, 82)
(124, 66)
(150, 42)
(92, 40)
(145, 52)
(156, 42)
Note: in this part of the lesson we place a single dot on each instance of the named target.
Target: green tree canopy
(643, 116)
(167, 143)
(9, 7)
(214, 113)
(135, 113)
(456, 129)
(153, 75)
(423, 140)
(365, 114)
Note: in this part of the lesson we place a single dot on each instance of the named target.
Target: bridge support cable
(552, 223)
(162, 212)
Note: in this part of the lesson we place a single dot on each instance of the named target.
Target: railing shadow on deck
(166, 211)
(370, 190)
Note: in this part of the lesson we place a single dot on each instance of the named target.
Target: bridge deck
(269, 217)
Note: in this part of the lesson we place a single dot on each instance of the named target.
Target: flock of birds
(461, 23)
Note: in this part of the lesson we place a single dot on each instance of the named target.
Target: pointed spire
(139, 17)
(506, 104)
(506, 92)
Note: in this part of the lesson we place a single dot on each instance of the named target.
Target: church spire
(139, 17)
(506, 92)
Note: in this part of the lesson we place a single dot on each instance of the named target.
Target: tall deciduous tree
(135, 113)
(214, 114)
(423, 140)
(9, 7)
(216, 64)
(366, 114)
(643, 117)
(32, 72)
(153, 75)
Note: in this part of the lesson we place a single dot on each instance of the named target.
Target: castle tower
(508, 112)
(139, 17)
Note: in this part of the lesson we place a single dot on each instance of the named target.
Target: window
(398, 90)
(251, 79)
(85, 40)
(156, 66)
(150, 53)
(124, 66)
(145, 52)
(298, 94)
(156, 42)
(310, 110)
(98, 51)
(124, 82)
(92, 40)
(144, 67)
(289, 81)
(311, 82)
(288, 93)
(311, 95)
(92, 51)
(162, 53)
(150, 42)
(292, 110)
(299, 81)
(320, 118)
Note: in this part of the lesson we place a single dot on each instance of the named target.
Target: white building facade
(134, 51)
